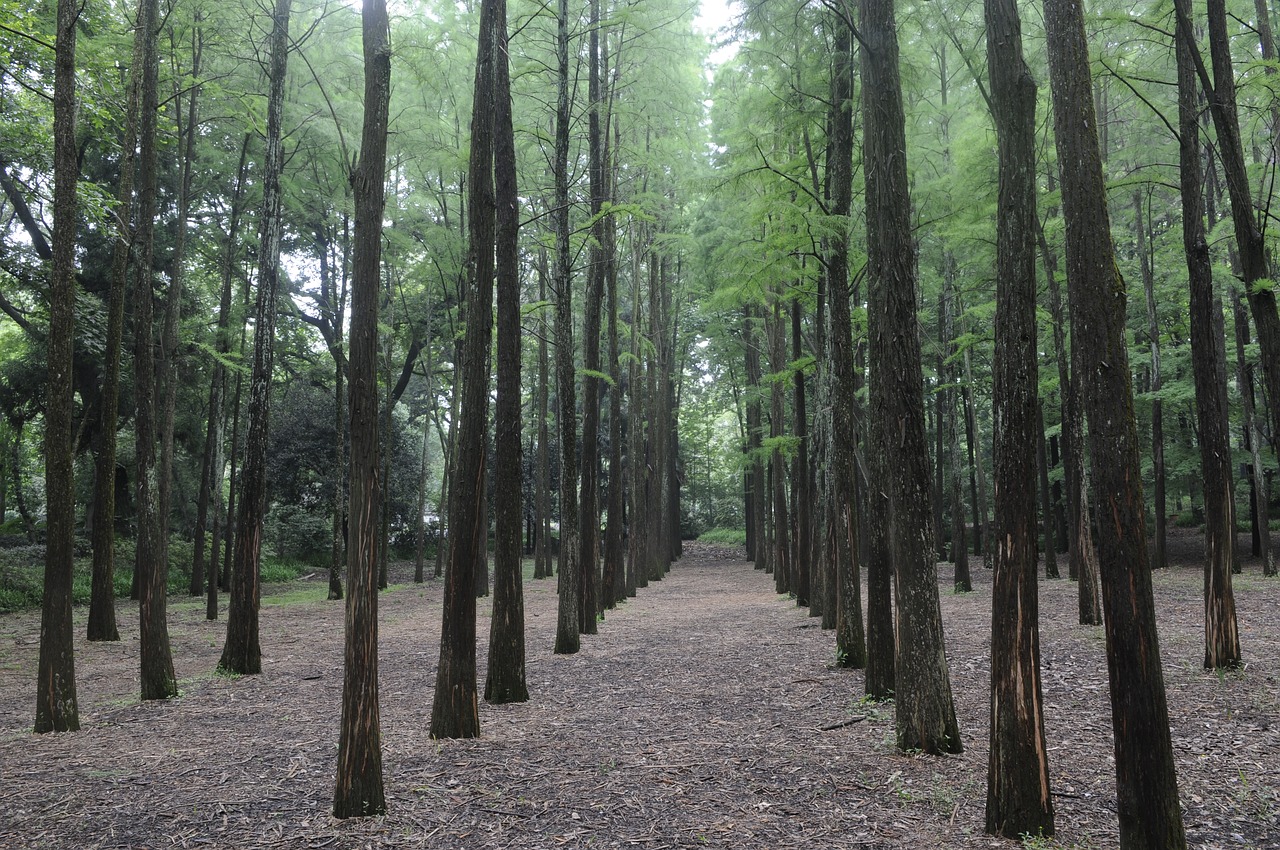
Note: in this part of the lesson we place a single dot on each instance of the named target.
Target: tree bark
(57, 709)
(151, 572)
(506, 678)
(925, 712)
(242, 652)
(455, 712)
(1221, 635)
(1159, 557)
(567, 631)
(358, 789)
(1018, 797)
(1148, 807)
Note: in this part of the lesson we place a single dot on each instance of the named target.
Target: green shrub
(731, 536)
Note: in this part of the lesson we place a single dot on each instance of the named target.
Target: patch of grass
(730, 536)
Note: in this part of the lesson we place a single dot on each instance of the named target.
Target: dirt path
(693, 719)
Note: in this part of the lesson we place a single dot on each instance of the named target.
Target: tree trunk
(1018, 798)
(925, 712)
(1159, 558)
(506, 677)
(56, 707)
(1222, 638)
(777, 430)
(358, 790)
(756, 550)
(242, 652)
(455, 712)
(151, 572)
(1048, 516)
(1148, 808)
(613, 590)
(1259, 489)
(567, 632)
(851, 647)
(542, 499)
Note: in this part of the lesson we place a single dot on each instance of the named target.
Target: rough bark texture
(57, 709)
(1221, 636)
(925, 712)
(851, 648)
(1149, 811)
(358, 790)
(242, 652)
(455, 710)
(1018, 798)
(567, 632)
(151, 572)
(102, 603)
(506, 678)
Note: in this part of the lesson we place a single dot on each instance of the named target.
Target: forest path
(694, 718)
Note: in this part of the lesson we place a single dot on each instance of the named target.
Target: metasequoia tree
(567, 621)
(1018, 799)
(1221, 636)
(358, 788)
(506, 677)
(56, 706)
(925, 712)
(455, 712)
(152, 568)
(851, 649)
(242, 652)
(1146, 784)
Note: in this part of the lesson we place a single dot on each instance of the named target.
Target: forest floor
(706, 712)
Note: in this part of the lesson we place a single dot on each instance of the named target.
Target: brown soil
(695, 718)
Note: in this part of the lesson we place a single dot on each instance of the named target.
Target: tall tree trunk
(614, 590)
(158, 680)
(567, 631)
(1018, 798)
(1222, 638)
(1148, 808)
(803, 499)
(778, 425)
(638, 530)
(542, 499)
(981, 525)
(851, 647)
(209, 502)
(242, 652)
(506, 677)
(358, 789)
(755, 424)
(102, 604)
(173, 303)
(589, 502)
(56, 707)
(1159, 558)
(1259, 489)
(338, 522)
(455, 712)
(925, 712)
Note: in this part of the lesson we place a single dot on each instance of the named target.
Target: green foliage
(730, 536)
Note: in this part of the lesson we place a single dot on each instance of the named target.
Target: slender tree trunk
(851, 647)
(1018, 798)
(567, 631)
(1222, 638)
(56, 707)
(173, 303)
(358, 790)
(102, 605)
(151, 572)
(1146, 784)
(803, 498)
(981, 530)
(1048, 515)
(777, 425)
(455, 711)
(614, 589)
(1159, 557)
(755, 516)
(542, 501)
(1260, 491)
(242, 652)
(506, 677)
(925, 712)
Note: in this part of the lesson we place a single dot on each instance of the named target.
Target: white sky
(713, 15)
